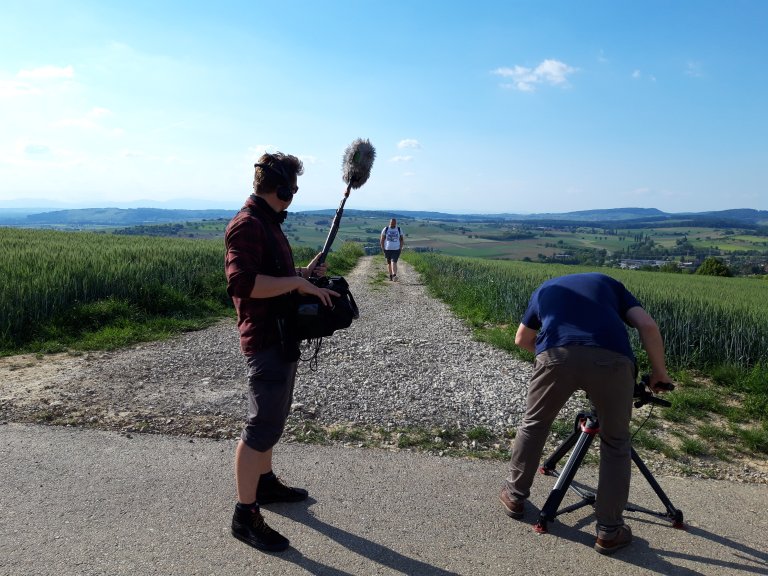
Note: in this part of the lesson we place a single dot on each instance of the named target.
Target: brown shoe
(512, 506)
(623, 538)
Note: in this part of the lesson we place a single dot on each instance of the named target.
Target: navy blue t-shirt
(581, 310)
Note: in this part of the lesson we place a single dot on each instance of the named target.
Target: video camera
(643, 395)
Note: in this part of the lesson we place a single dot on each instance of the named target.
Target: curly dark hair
(282, 169)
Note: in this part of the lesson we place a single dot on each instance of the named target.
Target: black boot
(271, 490)
(248, 525)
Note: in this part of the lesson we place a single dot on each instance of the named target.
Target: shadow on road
(365, 548)
(661, 561)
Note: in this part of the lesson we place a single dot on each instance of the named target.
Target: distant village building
(637, 264)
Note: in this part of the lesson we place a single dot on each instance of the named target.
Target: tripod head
(643, 394)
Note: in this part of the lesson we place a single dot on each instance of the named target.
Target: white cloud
(694, 69)
(35, 81)
(149, 158)
(132, 154)
(90, 121)
(99, 112)
(637, 75)
(550, 72)
(36, 155)
(409, 143)
(10, 88)
(45, 72)
(255, 152)
(401, 158)
(37, 150)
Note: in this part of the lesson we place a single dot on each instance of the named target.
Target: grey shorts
(392, 255)
(270, 393)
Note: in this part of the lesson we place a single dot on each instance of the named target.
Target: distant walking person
(575, 325)
(392, 243)
(260, 270)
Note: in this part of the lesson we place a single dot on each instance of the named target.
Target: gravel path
(408, 361)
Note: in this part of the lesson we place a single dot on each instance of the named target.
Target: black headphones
(284, 192)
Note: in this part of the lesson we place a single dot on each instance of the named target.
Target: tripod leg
(551, 463)
(549, 510)
(672, 512)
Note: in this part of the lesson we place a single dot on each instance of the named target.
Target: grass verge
(156, 313)
(736, 395)
(673, 451)
(476, 442)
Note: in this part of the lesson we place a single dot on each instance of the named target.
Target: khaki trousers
(608, 378)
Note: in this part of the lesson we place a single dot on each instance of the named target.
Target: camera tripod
(586, 426)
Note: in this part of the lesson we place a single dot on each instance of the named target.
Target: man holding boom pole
(260, 271)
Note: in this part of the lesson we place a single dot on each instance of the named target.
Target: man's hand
(313, 268)
(324, 294)
(657, 386)
(658, 383)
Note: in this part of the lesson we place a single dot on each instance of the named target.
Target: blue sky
(481, 107)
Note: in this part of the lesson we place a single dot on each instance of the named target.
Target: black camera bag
(315, 320)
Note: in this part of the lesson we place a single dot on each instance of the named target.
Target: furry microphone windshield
(358, 161)
(356, 167)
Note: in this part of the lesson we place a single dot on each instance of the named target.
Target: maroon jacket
(252, 250)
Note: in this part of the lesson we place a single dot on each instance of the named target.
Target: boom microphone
(356, 168)
(358, 161)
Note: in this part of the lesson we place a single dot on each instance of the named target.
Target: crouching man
(575, 325)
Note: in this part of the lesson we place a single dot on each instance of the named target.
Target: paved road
(75, 501)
